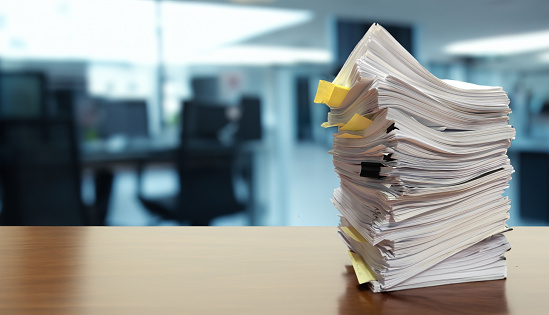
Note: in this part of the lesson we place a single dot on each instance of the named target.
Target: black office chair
(206, 169)
(39, 158)
(249, 126)
(40, 173)
(22, 95)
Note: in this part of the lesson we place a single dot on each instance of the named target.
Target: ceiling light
(97, 31)
(263, 56)
(501, 45)
(252, 1)
(192, 28)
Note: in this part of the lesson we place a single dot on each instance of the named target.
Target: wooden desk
(240, 270)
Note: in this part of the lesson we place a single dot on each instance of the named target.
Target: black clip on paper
(369, 169)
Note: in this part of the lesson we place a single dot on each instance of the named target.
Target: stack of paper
(423, 166)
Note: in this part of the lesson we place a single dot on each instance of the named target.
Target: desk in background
(212, 155)
(99, 155)
(530, 157)
(102, 161)
(235, 270)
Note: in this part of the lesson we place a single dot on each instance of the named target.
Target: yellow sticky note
(349, 136)
(362, 271)
(353, 233)
(330, 94)
(328, 125)
(357, 122)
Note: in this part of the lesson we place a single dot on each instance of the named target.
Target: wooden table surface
(235, 270)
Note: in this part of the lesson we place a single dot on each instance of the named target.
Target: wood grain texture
(235, 270)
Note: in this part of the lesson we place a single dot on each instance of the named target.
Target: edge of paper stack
(423, 166)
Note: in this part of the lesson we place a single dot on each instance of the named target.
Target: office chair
(249, 126)
(40, 173)
(39, 158)
(206, 169)
(22, 95)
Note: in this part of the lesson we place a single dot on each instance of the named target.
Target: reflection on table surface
(486, 297)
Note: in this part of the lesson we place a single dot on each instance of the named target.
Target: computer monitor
(123, 118)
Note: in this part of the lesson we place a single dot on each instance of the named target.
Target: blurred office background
(136, 112)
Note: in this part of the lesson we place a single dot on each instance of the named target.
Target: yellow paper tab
(353, 233)
(349, 136)
(328, 125)
(362, 271)
(330, 94)
(357, 122)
